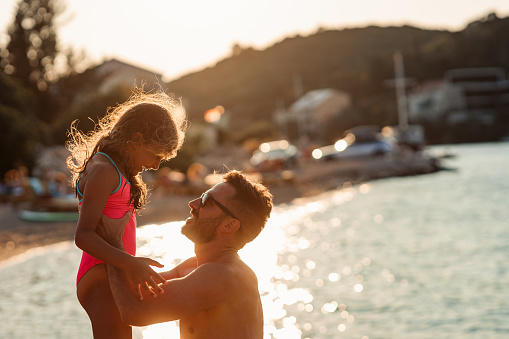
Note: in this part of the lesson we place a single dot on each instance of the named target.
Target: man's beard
(203, 230)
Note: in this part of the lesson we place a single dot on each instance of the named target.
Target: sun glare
(165, 244)
(275, 256)
(213, 115)
(265, 147)
(317, 154)
(340, 145)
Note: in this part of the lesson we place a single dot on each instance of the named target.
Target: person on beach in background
(214, 294)
(106, 165)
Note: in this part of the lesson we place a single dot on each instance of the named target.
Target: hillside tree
(31, 53)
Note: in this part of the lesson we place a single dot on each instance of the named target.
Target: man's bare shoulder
(232, 266)
(233, 273)
(237, 307)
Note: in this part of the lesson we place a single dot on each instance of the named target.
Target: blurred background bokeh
(64, 60)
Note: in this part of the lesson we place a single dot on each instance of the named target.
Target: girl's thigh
(95, 297)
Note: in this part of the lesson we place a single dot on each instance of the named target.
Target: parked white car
(352, 148)
(275, 155)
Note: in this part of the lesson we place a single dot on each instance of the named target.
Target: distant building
(313, 111)
(120, 73)
(424, 101)
(477, 94)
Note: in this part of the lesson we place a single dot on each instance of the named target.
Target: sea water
(414, 257)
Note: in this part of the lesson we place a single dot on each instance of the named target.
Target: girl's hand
(144, 277)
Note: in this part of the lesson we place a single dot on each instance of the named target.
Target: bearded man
(214, 294)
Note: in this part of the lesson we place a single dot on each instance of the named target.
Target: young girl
(106, 165)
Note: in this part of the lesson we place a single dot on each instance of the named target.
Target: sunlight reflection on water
(416, 257)
(263, 255)
(274, 257)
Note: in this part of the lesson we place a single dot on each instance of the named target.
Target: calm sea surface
(413, 257)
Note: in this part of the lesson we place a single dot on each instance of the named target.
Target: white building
(313, 111)
(120, 73)
(463, 94)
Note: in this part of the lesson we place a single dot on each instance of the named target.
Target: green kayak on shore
(47, 216)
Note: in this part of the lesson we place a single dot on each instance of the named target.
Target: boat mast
(401, 92)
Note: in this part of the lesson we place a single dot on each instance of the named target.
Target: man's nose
(195, 204)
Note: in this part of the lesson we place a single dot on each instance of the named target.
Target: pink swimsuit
(116, 206)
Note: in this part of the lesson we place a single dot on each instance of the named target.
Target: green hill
(356, 60)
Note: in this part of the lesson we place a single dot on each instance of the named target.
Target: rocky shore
(308, 179)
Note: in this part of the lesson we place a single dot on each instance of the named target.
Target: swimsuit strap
(119, 174)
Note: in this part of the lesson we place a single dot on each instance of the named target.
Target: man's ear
(230, 225)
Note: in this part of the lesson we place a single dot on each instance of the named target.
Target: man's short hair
(252, 204)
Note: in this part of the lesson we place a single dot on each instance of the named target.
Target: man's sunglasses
(205, 197)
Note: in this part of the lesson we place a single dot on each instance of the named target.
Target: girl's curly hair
(158, 117)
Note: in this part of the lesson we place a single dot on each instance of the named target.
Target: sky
(175, 38)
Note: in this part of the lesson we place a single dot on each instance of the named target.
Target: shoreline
(309, 179)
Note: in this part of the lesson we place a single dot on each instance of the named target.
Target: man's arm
(112, 230)
(181, 270)
(192, 290)
(205, 287)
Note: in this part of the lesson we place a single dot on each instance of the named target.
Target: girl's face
(145, 157)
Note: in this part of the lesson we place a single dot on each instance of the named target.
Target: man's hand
(144, 277)
(112, 230)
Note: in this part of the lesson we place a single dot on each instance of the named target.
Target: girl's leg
(95, 296)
